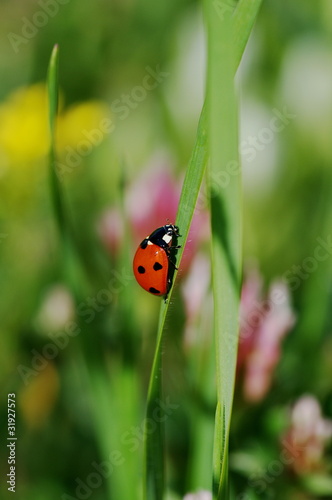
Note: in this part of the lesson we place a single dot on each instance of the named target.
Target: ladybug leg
(173, 264)
(168, 251)
(169, 284)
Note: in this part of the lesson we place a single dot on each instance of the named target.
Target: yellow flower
(36, 401)
(24, 127)
(24, 134)
(80, 123)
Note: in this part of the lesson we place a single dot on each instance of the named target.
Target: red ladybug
(151, 263)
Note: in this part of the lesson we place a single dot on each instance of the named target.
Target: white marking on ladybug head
(167, 238)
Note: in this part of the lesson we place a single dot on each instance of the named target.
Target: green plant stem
(242, 22)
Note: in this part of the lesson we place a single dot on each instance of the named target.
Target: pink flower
(200, 495)
(194, 290)
(150, 202)
(264, 322)
(196, 284)
(111, 230)
(308, 435)
(251, 314)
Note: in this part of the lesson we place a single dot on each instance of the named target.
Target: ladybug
(152, 260)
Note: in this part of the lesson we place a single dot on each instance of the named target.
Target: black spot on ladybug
(157, 266)
(141, 269)
(144, 244)
(153, 290)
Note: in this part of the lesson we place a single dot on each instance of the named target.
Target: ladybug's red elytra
(151, 263)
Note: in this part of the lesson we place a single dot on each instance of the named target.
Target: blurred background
(78, 334)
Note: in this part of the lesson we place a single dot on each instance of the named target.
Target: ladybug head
(172, 230)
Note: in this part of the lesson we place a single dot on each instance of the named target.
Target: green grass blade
(243, 20)
(154, 442)
(53, 99)
(53, 92)
(56, 188)
(72, 270)
(227, 37)
(154, 480)
(225, 196)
